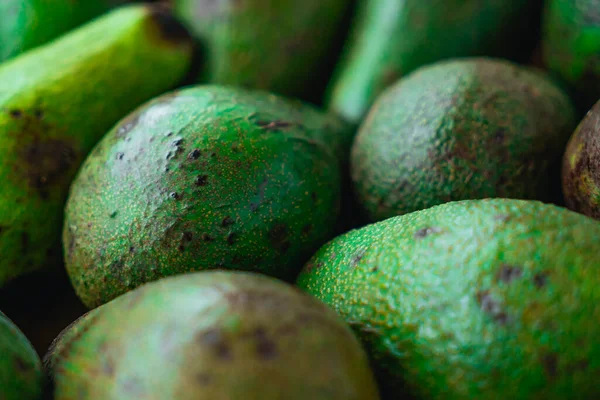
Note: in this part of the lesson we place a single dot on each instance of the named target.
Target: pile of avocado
(298, 200)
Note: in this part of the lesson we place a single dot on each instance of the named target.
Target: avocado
(476, 299)
(462, 129)
(21, 376)
(281, 46)
(391, 38)
(571, 46)
(57, 101)
(205, 177)
(581, 166)
(212, 335)
(26, 24)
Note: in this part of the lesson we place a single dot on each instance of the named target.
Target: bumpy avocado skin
(478, 299)
(462, 129)
(581, 166)
(21, 376)
(206, 177)
(571, 46)
(391, 38)
(56, 102)
(213, 335)
(276, 45)
(26, 24)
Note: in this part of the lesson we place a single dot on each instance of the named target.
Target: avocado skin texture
(391, 38)
(581, 166)
(462, 129)
(56, 102)
(477, 299)
(279, 46)
(571, 46)
(206, 177)
(21, 376)
(26, 24)
(212, 335)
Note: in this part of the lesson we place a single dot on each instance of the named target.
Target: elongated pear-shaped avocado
(57, 101)
(281, 46)
(21, 376)
(571, 46)
(211, 335)
(391, 38)
(26, 24)
(477, 299)
(462, 129)
(206, 177)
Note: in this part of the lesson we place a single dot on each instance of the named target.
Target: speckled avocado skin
(462, 129)
(26, 24)
(478, 299)
(581, 166)
(212, 335)
(571, 46)
(391, 38)
(206, 177)
(21, 376)
(56, 102)
(281, 46)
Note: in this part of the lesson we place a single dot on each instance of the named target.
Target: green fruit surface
(21, 376)
(212, 335)
(391, 38)
(56, 102)
(571, 46)
(581, 166)
(206, 177)
(478, 299)
(462, 129)
(281, 46)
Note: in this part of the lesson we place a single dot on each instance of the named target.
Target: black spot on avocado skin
(16, 114)
(491, 307)
(279, 237)
(358, 256)
(201, 180)
(227, 221)
(194, 154)
(188, 236)
(265, 347)
(113, 214)
(170, 28)
(508, 273)
(273, 126)
(207, 238)
(550, 364)
(175, 195)
(120, 156)
(21, 365)
(231, 238)
(131, 249)
(500, 135)
(424, 232)
(540, 280)
(213, 338)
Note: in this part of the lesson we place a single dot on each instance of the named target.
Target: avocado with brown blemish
(581, 166)
(462, 129)
(391, 38)
(477, 299)
(571, 46)
(212, 335)
(202, 178)
(57, 101)
(21, 376)
(281, 46)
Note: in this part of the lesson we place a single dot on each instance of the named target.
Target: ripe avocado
(202, 178)
(462, 129)
(477, 299)
(211, 335)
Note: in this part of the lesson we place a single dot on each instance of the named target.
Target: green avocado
(206, 177)
(571, 46)
(21, 376)
(26, 24)
(281, 46)
(391, 38)
(581, 166)
(57, 101)
(477, 299)
(211, 335)
(462, 129)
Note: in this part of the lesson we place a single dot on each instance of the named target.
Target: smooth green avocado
(21, 376)
(581, 166)
(201, 178)
(477, 299)
(211, 335)
(282, 46)
(462, 129)
(391, 38)
(571, 46)
(57, 101)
